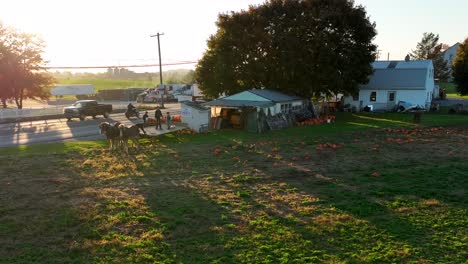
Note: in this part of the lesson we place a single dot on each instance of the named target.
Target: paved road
(59, 130)
(452, 101)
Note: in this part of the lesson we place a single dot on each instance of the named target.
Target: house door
(391, 100)
(252, 120)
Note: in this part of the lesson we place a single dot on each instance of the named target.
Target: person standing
(158, 115)
(168, 119)
(145, 116)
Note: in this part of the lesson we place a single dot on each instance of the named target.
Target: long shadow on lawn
(40, 221)
(343, 245)
(196, 227)
(355, 199)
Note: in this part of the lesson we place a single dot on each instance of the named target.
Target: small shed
(197, 117)
(250, 109)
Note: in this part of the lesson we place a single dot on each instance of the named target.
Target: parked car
(148, 96)
(83, 108)
(458, 109)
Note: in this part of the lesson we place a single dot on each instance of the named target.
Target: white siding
(430, 87)
(381, 103)
(276, 109)
(194, 118)
(450, 54)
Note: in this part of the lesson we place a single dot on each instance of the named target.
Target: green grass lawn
(371, 188)
(451, 90)
(456, 96)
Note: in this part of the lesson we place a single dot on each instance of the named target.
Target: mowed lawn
(367, 189)
(451, 91)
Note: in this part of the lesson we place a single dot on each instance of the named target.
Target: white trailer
(73, 89)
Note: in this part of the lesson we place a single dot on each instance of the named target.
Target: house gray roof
(274, 96)
(404, 75)
(412, 64)
(397, 79)
(194, 105)
(238, 103)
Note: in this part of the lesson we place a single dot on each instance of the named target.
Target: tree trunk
(19, 99)
(17, 103)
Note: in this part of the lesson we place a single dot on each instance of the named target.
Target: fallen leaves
(275, 150)
(322, 147)
(317, 121)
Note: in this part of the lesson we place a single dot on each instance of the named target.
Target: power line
(120, 66)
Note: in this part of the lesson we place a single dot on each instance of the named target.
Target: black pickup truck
(82, 109)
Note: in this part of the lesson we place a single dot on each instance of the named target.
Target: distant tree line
(22, 72)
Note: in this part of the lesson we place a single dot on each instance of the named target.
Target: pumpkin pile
(317, 121)
(176, 118)
(186, 131)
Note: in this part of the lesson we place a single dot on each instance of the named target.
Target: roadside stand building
(254, 110)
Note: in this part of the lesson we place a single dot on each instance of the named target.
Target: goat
(112, 134)
(126, 133)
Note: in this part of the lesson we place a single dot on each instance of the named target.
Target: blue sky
(91, 32)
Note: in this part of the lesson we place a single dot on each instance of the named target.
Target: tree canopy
(22, 73)
(303, 47)
(429, 48)
(460, 68)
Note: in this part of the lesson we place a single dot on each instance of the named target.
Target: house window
(391, 97)
(356, 97)
(373, 96)
(286, 108)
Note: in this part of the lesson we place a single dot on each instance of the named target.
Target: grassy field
(103, 84)
(451, 90)
(367, 189)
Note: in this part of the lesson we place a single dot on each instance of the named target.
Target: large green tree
(303, 47)
(460, 68)
(22, 72)
(429, 48)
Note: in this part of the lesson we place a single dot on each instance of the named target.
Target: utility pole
(160, 66)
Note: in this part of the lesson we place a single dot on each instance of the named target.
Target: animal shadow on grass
(192, 223)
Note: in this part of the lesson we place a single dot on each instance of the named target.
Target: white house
(449, 56)
(394, 81)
